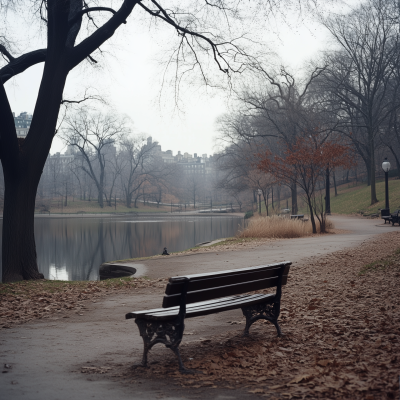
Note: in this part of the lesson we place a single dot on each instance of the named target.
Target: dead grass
(278, 228)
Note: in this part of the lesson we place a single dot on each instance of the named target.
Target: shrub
(278, 227)
(248, 214)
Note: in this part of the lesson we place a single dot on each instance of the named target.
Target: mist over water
(74, 248)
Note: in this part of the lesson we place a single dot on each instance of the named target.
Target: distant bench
(297, 216)
(210, 293)
(392, 218)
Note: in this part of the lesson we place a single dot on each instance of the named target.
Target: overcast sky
(131, 83)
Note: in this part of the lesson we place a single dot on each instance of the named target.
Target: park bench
(395, 217)
(387, 218)
(392, 218)
(297, 216)
(209, 293)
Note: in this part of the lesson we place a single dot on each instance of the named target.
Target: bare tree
(94, 135)
(161, 179)
(193, 188)
(359, 80)
(137, 166)
(276, 112)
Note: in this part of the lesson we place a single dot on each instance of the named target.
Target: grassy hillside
(356, 199)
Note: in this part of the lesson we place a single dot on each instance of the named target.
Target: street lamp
(259, 201)
(386, 168)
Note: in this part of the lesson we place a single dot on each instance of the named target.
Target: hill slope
(351, 200)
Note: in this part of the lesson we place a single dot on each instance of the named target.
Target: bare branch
(88, 10)
(92, 59)
(21, 63)
(94, 41)
(6, 53)
(161, 13)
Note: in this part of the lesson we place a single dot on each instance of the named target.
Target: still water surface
(74, 248)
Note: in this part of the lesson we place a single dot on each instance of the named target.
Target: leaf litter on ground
(341, 320)
(25, 301)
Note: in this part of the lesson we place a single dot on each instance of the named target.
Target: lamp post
(259, 201)
(386, 168)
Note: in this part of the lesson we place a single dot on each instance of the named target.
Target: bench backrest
(203, 287)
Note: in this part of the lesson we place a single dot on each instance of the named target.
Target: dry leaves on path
(342, 334)
(29, 300)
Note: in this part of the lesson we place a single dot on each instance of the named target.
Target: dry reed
(279, 228)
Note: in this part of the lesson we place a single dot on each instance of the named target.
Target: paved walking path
(47, 355)
(359, 230)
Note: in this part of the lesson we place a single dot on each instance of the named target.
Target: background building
(191, 164)
(22, 124)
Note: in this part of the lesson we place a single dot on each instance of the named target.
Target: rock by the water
(109, 271)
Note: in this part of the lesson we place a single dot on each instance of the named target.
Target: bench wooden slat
(225, 280)
(217, 304)
(194, 277)
(239, 302)
(200, 304)
(222, 291)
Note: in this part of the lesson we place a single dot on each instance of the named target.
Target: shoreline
(137, 214)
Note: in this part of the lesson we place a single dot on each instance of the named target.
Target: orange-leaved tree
(305, 162)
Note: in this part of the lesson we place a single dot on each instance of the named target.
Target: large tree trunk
(129, 200)
(19, 250)
(23, 161)
(100, 197)
(372, 167)
(272, 198)
(397, 160)
(368, 167)
(312, 218)
(293, 189)
(334, 182)
(279, 198)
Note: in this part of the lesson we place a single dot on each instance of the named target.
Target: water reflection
(74, 248)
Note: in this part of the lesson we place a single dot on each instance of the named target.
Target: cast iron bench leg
(168, 333)
(182, 368)
(255, 312)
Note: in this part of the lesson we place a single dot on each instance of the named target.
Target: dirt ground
(45, 359)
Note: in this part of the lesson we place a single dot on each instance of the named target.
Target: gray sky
(131, 84)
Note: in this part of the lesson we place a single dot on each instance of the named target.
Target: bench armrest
(182, 303)
(278, 294)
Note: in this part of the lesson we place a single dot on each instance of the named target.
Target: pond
(73, 248)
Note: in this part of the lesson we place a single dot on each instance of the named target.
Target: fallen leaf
(301, 378)
(256, 391)
(324, 363)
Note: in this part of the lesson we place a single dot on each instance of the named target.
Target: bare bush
(278, 228)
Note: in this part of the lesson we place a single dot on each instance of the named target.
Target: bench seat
(203, 307)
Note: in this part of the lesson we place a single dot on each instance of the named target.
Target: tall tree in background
(278, 110)
(360, 75)
(306, 161)
(136, 166)
(94, 135)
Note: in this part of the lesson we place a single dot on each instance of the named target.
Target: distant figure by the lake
(165, 252)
